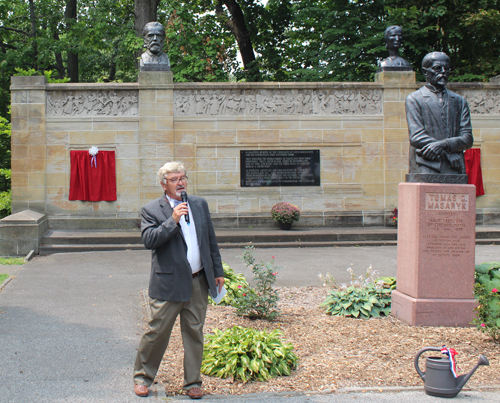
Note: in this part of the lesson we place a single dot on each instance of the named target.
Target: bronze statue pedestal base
(436, 250)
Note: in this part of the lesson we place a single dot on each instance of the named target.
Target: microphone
(184, 198)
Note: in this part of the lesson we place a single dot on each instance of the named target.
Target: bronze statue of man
(439, 126)
(154, 58)
(393, 36)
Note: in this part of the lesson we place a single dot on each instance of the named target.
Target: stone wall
(359, 128)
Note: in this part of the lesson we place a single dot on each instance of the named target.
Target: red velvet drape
(473, 169)
(92, 183)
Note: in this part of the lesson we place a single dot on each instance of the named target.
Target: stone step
(59, 241)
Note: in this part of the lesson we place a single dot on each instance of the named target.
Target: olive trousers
(155, 341)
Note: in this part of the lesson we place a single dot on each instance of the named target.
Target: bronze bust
(439, 126)
(393, 36)
(154, 58)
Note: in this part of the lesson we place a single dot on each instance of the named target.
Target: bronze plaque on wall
(279, 168)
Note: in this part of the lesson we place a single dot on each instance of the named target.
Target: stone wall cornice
(277, 86)
(92, 86)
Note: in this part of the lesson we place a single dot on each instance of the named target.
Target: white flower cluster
(93, 151)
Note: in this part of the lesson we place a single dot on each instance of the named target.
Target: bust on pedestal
(437, 213)
(154, 58)
(393, 36)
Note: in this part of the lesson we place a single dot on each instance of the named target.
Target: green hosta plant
(488, 274)
(487, 317)
(234, 283)
(365, 297)
(261, 301)
(368, 302)
(247, 354)
(388, 282)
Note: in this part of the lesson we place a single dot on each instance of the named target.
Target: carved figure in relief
(154, 58)
(114, 100)
(89, 102)
(68, 105)
(438, 122)
(266, 102)
(298, 104)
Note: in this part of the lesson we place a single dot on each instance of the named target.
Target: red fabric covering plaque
(473, 169)
(92, 180)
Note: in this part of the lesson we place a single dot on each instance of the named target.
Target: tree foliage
(281, 40)
(343, 40)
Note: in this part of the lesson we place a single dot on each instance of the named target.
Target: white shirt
(189, 232)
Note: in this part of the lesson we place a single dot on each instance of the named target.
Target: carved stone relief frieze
(92, 103)
(277, 102)
(482, 102)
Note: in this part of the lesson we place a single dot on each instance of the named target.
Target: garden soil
(336, 352)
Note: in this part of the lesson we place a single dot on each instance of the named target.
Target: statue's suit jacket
(426, 124)
(171, 274)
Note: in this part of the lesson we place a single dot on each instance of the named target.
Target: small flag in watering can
(451, 353)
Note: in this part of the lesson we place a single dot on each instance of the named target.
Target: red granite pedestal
(436, 247)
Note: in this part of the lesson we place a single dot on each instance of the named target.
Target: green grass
(12, 260)
(3, 277)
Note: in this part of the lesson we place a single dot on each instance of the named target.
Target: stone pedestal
(21, 233)
(436, 248)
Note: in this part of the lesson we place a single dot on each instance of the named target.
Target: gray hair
(430, 57)
(150, 25)
(170, 167)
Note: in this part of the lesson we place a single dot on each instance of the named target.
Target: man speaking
(185, 266)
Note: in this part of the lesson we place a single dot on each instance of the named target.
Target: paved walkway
(70, 323)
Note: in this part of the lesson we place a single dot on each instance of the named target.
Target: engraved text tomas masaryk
(447, 201)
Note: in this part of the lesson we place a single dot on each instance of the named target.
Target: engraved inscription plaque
(445, 235)
(279, 168)
(447, 201)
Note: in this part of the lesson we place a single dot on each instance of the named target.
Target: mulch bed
(335, 352)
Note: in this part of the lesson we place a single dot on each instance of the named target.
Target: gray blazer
(171, 275)
(426, 125)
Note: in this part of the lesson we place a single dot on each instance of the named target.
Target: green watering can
(439, 377)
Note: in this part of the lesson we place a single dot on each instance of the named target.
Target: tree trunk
(33, 34)
(238, 27)
(71, 14)
(59, 60)
(144, 11)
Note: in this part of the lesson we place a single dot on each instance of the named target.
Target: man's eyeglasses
(439, 69)
(175, 180)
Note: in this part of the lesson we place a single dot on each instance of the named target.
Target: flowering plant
(394, 217)
(261, 301)
(487, 318)
(285, 213)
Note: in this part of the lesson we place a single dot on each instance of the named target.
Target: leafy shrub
(487, 318)
(247, 354)
(488, 274)
(5, 179)
(234, 284)
(47, 74)
(285, 213)
(5, 204)
(260, 302)
(388, 282)
(367, 302)
(365, 297)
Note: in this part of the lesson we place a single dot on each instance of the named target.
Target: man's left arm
(462, 140)
(214, 249)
